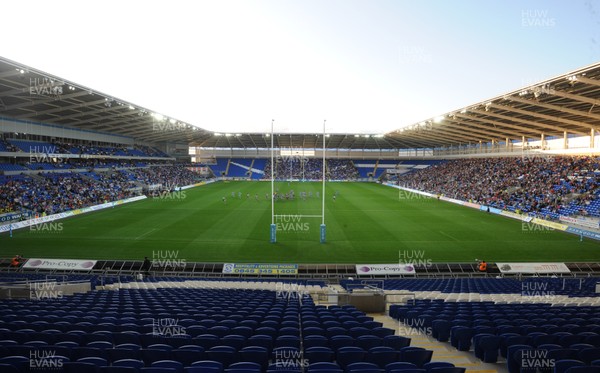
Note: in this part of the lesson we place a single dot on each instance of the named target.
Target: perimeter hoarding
(260, 269)
(385, 269)
(72, 264)
(533, 267)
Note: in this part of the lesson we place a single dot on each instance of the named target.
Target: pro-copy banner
(73, 264)
(585, 222)
(533, 267)
(385, 269)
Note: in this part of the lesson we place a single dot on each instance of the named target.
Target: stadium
(132, 241)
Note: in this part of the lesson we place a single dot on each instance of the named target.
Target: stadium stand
(239, 167)
(544, 187)
(51, 193)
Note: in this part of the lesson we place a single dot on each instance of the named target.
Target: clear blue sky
(367, 66)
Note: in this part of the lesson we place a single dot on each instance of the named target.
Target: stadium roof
(567, 103)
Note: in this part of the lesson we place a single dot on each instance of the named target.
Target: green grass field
(368, 223)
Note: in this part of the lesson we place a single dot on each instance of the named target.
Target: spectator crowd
(51, 193)
(536, 185)
(311, 169)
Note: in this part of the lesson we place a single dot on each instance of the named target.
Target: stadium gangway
(390, 297)
(42, 289)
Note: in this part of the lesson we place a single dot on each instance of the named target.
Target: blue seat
(160, 346)
(129, 346)
(233, 340)
(440, 330)
(515, 355)
(399, 365)
(115, 354)
(362, 367)
(382, 332)
(367, 342)
(113, 369)
(103, 345)
(460, 337)
(149, 356)
(78, 367)
(7, 368)
(448, 370)
(310, 331)
(583, 369)
(569, 340)
(121, 338)
(207, 341)
(417, 356)
(315, 341)
(287, 341)
(82, 352)
(358, 331)
(319, 354)
(223, 354)
(132, 363)
(381, 356)
(563, 354)
(244, 367)
(324, 367)
(350, 355)
(157, 370)
(340, 341)
(255, 354)
(437, 364)
(487, 348)
(510, 340)
(19, 362)
(98, 361)
(265, 330)
(208, 366)
(396, 341)
(587, 355)
(335, 331)
(561, 366)
(261, 340)
(169, 364)
(188, 355)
